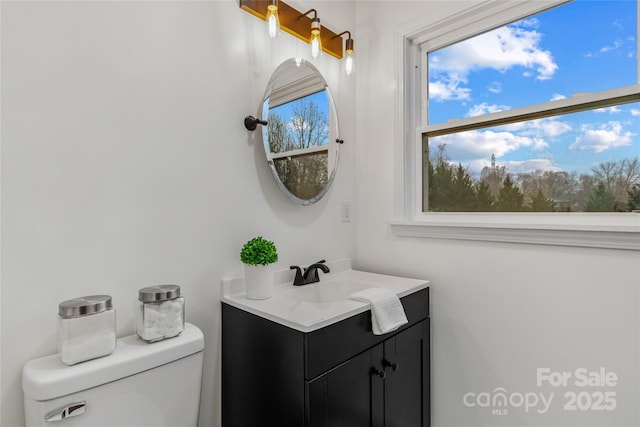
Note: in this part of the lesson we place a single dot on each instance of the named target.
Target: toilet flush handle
(72, 410)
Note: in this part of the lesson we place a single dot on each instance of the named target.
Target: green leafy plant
(259, 251)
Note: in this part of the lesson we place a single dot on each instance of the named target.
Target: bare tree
(279, 138)
(558, 186)
(607, 173)
(629, 176)
(310, 126)
(618, 177)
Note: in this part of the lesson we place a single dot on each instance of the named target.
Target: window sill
(588, 231)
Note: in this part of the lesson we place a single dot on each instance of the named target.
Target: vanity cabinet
(340, 375)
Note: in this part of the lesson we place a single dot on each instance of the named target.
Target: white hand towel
(387, 313)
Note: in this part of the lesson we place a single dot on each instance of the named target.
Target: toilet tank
(139, 384)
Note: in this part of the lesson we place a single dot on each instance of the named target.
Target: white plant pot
(258, 280)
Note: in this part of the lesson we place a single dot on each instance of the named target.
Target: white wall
(500, 311)
(125, 163)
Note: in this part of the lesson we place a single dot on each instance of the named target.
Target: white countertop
(284, 308)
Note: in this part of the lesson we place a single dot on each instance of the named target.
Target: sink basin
(310, 307)
(327, 291)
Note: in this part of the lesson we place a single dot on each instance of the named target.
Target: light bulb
(349, 65)
(316, 43)
(273, 21)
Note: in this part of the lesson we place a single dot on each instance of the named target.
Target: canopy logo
(582, 398)
(500, 401)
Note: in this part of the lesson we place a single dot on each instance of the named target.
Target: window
(577, 155)
(519, 117)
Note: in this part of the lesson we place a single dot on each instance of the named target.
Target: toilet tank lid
(48, 378)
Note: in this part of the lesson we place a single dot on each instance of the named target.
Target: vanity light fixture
(349, 64)
(315, 40)
(273, 20)
(297, 24)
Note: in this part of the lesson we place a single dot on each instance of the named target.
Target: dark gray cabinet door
(350, 395)
(405, 383)
(386, 386)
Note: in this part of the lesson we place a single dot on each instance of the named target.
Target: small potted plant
(257, 255)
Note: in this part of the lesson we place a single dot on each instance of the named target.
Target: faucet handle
(311, 272)
(299, 280)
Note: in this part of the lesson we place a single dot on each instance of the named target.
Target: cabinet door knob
(392, 365)
(376, 371)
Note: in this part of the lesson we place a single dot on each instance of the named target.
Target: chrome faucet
(310, 274)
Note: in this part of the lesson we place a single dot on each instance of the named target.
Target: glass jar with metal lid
(86, 328)
(160, 312)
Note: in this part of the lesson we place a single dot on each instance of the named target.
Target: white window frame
(596, 230)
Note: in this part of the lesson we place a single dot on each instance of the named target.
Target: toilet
(137, 385)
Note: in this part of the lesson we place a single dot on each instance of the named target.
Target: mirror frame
(334, 138)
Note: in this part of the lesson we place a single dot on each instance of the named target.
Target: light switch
(346, 211)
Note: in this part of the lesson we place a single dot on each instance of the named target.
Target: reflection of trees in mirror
(279, 138)
(303, 169)
(307, 126)
(304, 175)
(610, 187)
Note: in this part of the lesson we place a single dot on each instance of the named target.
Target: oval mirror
(301, 138)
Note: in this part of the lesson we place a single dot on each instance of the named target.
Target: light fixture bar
(295, 23)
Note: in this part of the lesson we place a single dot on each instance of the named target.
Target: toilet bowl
(139, 384)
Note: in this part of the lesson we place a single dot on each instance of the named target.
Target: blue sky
(285, 111)
(583, 46)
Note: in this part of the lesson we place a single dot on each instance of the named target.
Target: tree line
(610, 187)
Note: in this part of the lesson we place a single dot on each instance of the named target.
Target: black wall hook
(251, 123)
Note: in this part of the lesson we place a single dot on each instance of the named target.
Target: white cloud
(553, 127)
(635, 112)
(484, 108)
(610, 110)
(449, 90)
(500, 49)
(530, 23)
(616, 44)
(477, 145)
(608, 135)
(495, 87)
(539, 128)
(530, 165)
(474, 148)
(557, 96)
